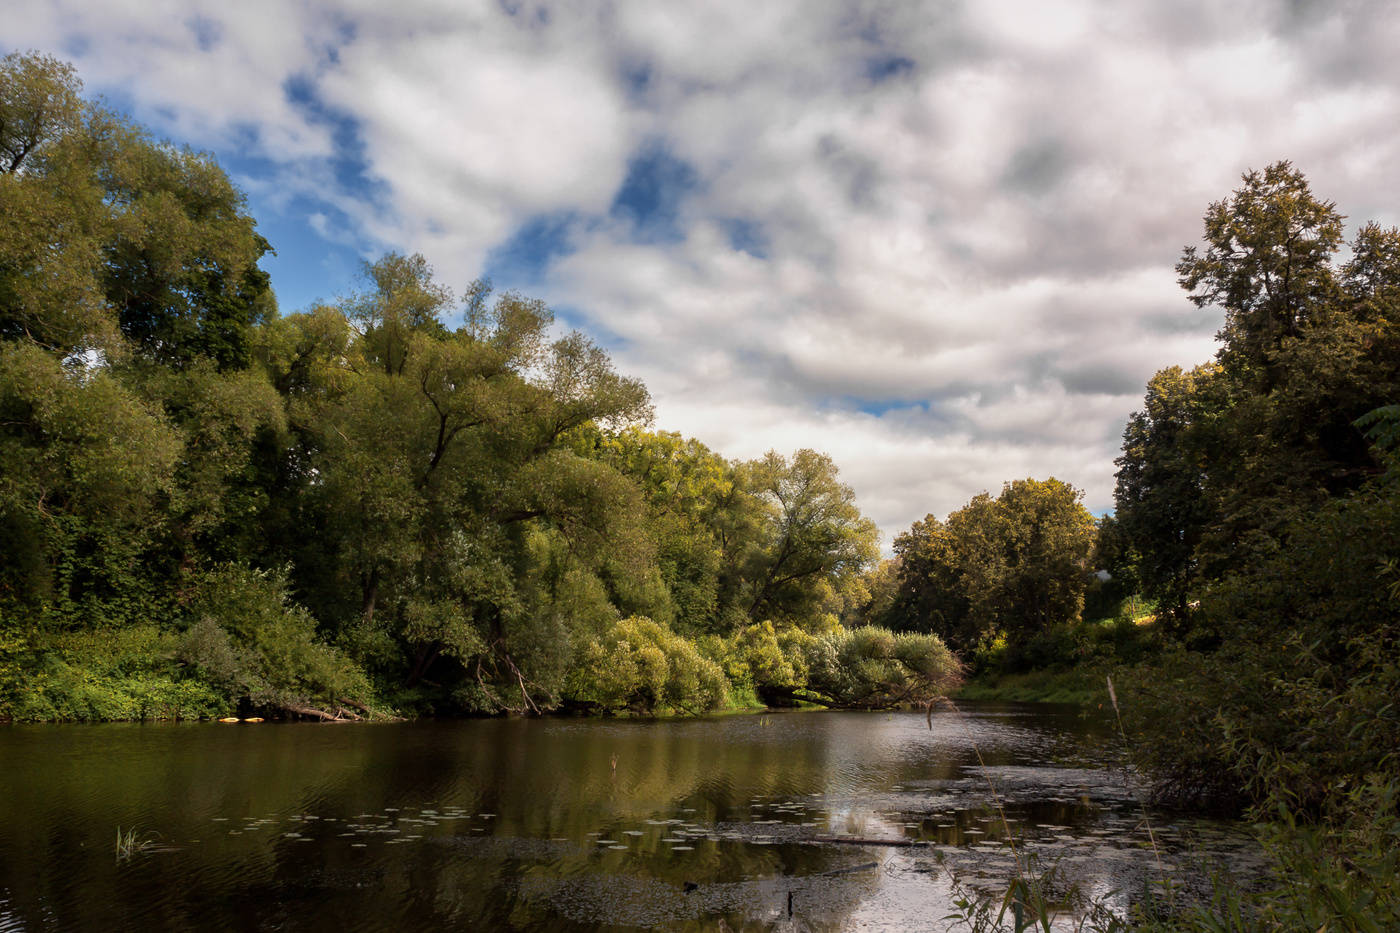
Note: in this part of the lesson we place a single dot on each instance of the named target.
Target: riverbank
(1084, 686)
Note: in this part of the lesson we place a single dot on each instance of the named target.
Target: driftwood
(312, 713)
(336, 713)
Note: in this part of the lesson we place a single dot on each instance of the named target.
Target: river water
(738, 822)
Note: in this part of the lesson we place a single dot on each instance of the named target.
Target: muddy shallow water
(758, 822)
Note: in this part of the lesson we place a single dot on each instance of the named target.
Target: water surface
(572, 824)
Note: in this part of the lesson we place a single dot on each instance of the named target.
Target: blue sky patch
(308, 267)
(652, 195)
(207, 32)
(524, 259)
(747, 236)
(349, 164)
(888, 67)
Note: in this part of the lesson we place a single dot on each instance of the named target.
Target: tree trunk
(427, 654)
(371, 594)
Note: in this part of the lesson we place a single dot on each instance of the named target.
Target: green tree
(1267, 263)
(930, 596)
(109, 230)
(86, 467)
(39, 102)
(1223, 460)
(435, 457)
(1163, 503)
(1015, 565)
(815, 537)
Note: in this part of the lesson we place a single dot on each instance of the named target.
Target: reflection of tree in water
(510, 823)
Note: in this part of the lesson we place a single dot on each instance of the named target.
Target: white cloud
(965, 216)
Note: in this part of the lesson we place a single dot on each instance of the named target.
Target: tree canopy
(410, 498)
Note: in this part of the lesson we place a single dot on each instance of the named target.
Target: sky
(934, 240)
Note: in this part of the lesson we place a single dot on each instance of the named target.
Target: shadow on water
(761, 822)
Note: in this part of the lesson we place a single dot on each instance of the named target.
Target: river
(576, 824)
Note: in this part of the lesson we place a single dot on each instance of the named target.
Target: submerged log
(859, 841)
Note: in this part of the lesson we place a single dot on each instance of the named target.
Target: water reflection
(557, 824)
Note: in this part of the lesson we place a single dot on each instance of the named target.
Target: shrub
(643, 666)
(254, 644)
(116, 674)
(874, 668)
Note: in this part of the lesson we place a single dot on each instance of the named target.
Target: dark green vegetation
(1258, 515)
(404, 501)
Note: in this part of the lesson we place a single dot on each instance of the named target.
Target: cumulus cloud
(934, 240)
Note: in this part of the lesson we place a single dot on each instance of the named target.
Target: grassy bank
(1081, 685)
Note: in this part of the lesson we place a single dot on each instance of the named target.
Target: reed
(128, 843)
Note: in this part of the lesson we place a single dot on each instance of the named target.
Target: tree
(1267, 263)
(109, 230)
(1223, 460)
(86, 466)
(1014, 565)
(39, 102)
(815, 536)
(441, 475)
(1163, 502)
(930, 596)
(1049, 536)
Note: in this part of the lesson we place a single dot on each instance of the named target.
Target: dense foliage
(1011, 569)
(1253, 604)
(408, 499)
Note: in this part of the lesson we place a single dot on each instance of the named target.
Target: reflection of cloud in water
(497, 823)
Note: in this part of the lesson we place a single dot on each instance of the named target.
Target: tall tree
(815, 537)
(1223, 460)
(108, 229)
(1015, 565)
(1267, 263)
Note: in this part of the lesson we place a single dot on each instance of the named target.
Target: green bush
(874, 668)
(643, 666)
(255, 645)
(771, 668)
(116, 674)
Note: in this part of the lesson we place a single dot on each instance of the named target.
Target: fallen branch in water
(311, 712)
(857, 841)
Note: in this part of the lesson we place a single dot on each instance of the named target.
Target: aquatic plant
(128, 843)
